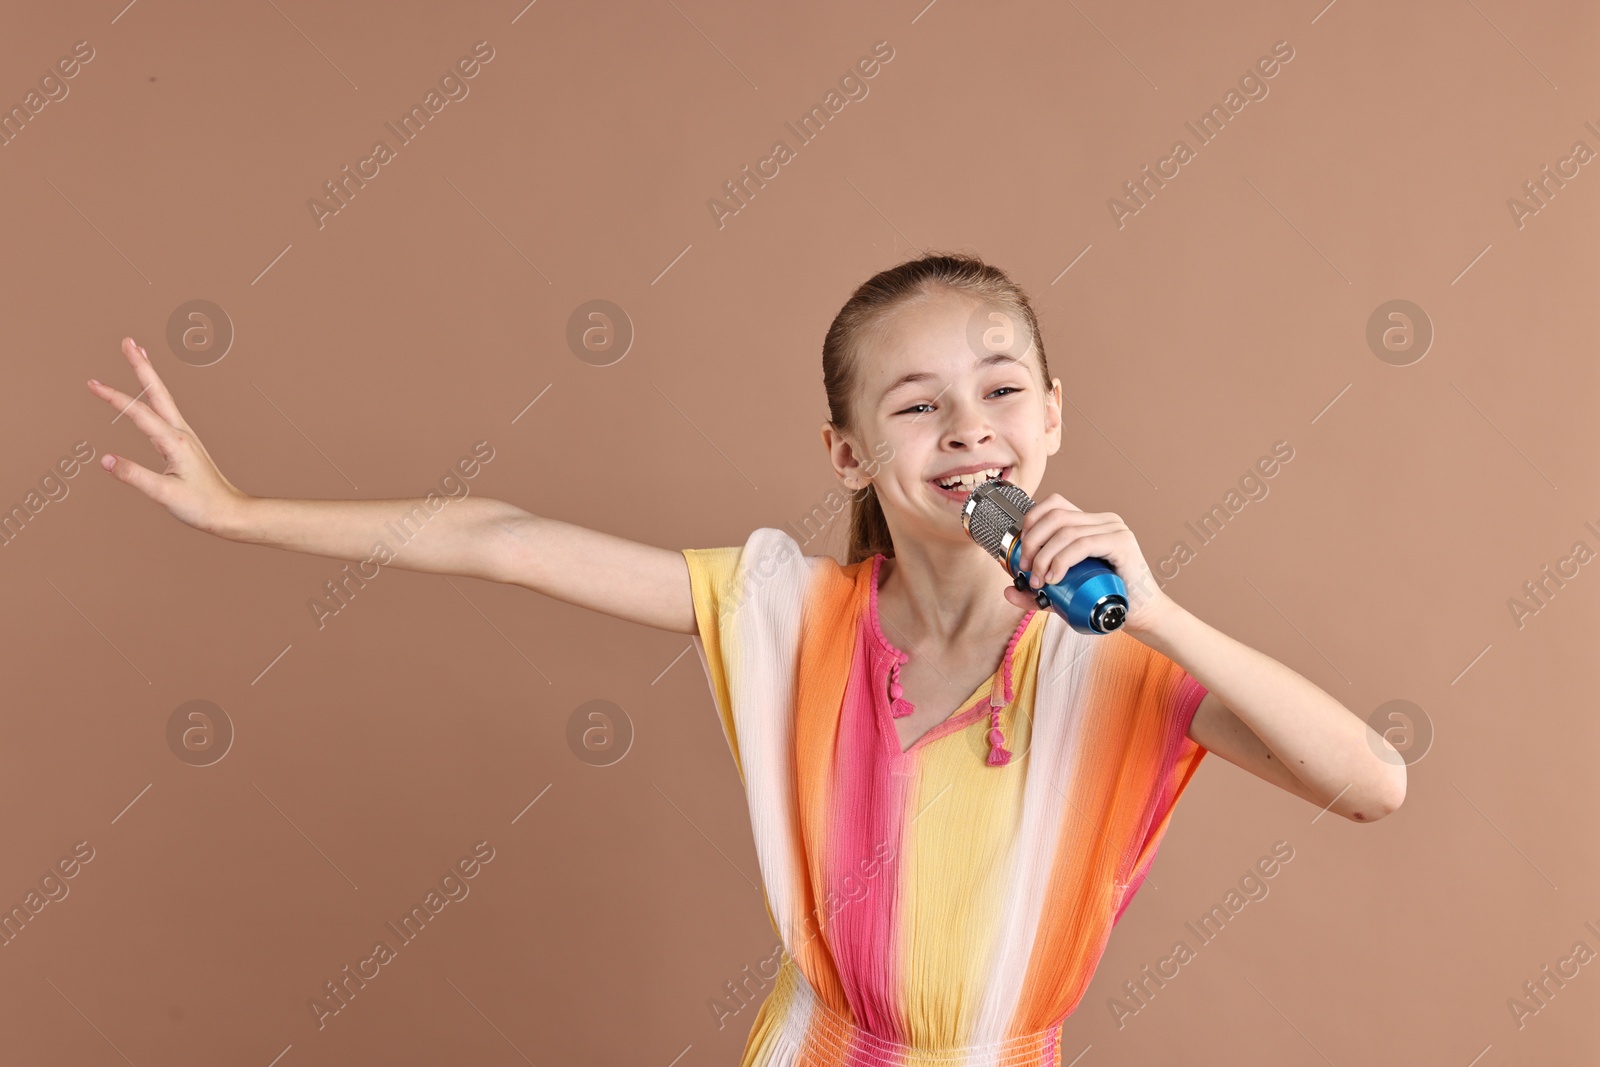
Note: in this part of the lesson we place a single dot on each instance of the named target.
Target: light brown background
(1224, 317)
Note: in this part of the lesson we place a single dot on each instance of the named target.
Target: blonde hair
(854, 326)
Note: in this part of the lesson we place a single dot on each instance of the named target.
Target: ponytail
(869, 530)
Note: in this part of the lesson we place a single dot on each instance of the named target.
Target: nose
(967, 427)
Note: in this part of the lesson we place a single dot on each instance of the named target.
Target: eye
(1002, 389)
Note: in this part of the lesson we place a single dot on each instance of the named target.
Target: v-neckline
(965, 713)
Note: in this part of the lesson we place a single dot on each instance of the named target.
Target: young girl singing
(954, 795)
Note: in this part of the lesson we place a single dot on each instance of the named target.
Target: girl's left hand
(1056, 535)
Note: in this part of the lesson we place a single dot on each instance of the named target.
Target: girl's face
(946, 385)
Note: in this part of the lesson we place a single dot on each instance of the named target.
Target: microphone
(1090, 597)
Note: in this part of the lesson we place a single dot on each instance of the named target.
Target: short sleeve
(748, 607)
(1168, 696)
(711, 576)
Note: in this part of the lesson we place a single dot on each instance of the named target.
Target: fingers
(152, 389)
(1018, 597)
(1039, 528)
(1068, 548)
(1053, 511)
(161, 434)
(146, 481)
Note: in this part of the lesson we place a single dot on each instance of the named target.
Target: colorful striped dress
(934, 908)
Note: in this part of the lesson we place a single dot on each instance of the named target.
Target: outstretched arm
(478, 537)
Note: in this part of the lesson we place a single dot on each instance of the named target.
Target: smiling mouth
(964, 490)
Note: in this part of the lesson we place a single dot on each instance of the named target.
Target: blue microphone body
(1091, 597)
(1088, 584)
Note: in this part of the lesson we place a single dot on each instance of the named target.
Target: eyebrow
(917, 377)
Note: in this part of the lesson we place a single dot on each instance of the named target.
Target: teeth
(973, 480)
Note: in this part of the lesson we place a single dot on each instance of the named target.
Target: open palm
(191, 487)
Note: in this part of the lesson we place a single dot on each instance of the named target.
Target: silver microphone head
(992, 516)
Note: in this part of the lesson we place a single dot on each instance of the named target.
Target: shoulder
(770, 566)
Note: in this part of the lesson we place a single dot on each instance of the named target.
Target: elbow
(1380, 804)
(1387, 785)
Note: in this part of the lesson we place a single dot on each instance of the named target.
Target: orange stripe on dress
(827, 638)
(1122, 739)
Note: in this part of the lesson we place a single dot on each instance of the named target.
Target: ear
(1052, 417)
(842, 455)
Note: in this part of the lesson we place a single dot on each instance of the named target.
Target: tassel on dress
(999, 755)
(897, 707)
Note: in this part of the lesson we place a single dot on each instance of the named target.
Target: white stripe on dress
(772, 579)
(1060, 691)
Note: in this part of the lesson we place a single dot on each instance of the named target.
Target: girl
(954, 795)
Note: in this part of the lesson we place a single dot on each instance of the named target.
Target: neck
(941, 596)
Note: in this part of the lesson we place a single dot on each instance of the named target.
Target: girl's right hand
(191, 488)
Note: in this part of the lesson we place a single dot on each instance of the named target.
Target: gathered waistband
(831, 1039)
